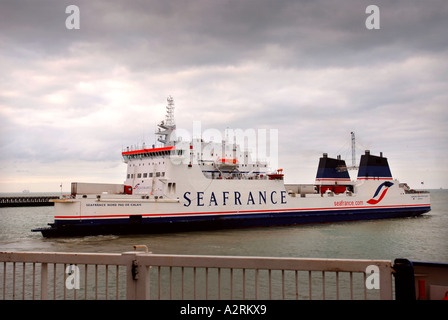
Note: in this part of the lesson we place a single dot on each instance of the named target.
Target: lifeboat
(276, 176)
(227, 163)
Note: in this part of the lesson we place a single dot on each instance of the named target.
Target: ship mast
(166, 128)
(170, 112)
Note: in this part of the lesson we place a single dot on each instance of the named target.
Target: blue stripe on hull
(137, 225)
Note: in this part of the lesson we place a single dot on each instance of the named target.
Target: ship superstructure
(197, 184)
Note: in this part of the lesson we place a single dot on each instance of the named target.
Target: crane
(353, 166)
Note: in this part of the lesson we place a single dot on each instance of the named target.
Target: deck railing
(142, 275)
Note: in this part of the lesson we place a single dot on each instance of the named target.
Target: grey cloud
(308, 68)
(182, 33)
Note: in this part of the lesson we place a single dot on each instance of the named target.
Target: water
(423, 238)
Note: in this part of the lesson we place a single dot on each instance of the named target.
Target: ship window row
(146, 175)
(142, 164)
(220, 154)
(211, 164)
(258, 165)
(172, 187)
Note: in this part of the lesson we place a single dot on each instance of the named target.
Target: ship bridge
(149, 153)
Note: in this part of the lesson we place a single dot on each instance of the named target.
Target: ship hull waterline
(138, 224)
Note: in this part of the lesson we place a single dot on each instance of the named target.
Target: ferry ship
(181, 186)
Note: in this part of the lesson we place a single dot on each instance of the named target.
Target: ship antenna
(170, 112)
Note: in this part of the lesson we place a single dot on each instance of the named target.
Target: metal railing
(142, 275)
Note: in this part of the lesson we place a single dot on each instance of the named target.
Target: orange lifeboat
(276, 176)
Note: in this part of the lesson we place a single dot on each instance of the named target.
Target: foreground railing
(142, 275)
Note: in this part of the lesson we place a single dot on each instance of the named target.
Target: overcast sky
(70, 99)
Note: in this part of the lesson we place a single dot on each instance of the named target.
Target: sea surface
(423, 238)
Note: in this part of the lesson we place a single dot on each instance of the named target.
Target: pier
(27, 201)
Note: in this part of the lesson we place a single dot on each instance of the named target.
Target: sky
(71, 99)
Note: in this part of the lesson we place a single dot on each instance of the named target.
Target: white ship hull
(199, 204)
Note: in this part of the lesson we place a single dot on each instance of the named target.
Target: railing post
(404, 280)
(137, 276)
(386, 282)
(43, 281)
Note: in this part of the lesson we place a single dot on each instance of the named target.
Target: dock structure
(27, 201)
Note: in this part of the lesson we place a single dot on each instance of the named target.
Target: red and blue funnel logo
(383, 189)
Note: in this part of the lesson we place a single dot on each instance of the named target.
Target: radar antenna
(170, 112)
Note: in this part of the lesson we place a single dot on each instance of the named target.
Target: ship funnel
(374, 167)
(332, 170)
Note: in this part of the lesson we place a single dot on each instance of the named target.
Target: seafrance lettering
(225, 198)
(343, 203)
